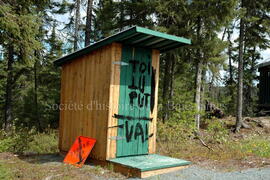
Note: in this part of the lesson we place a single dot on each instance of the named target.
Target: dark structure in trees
(264, 86)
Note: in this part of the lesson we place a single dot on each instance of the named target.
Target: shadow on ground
(42, 158)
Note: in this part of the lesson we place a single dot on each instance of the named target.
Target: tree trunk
(248, 99)
(198, 94)
(211, 88)
(230, 58)
(8, 97)
(77, 24)
(202, 93)
(166, 88)
(239, 119)
(171, 76)
(88, 22)
(230, 81)
(198, 80)
(224, 33)
(37, 119)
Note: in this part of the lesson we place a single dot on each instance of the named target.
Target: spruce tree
(253, 37)
(88, 25)
(19, 27)
(201, 21)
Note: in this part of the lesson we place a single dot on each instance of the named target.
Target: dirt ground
(221, 158)
(259, 126)
(50, 166)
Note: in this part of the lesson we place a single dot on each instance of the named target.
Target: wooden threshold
(148, 165)
(161, 171)
(136, 172)
(133, 172)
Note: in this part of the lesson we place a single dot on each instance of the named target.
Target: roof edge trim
(120, 37)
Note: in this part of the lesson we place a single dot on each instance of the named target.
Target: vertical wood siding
(85, 98)
(90, 87)
(114, 100)
(153, 114)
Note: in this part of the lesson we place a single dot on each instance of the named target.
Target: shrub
(217, 130)
(44, 143)
(15, 142)
(23, 141)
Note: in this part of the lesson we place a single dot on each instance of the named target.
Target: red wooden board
(79, 151)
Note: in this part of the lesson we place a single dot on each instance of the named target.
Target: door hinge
(121, 63)
(116, 138)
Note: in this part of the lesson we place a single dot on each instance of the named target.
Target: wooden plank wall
(85, 99)
(153, 124)
(89, 99)
(114, 100)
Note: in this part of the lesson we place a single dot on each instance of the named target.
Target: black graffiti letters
(134, 63)
(140, 95)
(142, 83)
(132, 96)
(139, 132)
(129, 132)
(142, 67)
(153, 89)
(146, 131)
(133, 86)
(130, 118)
(138, 83)
(146, 98)
(140, 101)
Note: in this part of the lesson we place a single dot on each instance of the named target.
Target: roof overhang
(134, 36)
(264, 64)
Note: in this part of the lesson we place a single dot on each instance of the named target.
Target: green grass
(35, 168)
(5, 173)
(41, 160)
(173, 139)
(257, 146)
(43, 143)
(30, 142)
(176, 141)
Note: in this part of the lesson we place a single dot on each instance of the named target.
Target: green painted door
(134, 101)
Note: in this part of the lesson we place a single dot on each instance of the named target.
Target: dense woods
(218, 68)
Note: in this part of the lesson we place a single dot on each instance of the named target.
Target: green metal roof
(134, 36)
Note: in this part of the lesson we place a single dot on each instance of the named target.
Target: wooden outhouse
(109, 92)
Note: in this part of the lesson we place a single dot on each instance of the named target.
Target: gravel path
(198, 173)
(194, 172)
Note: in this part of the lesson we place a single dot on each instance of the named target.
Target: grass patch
(43, 143)
(35, 168)
(174, 140)
(5, 173)
(257, 146)
(25, 141)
